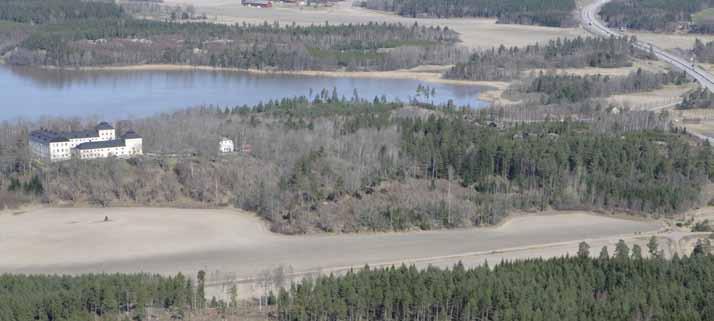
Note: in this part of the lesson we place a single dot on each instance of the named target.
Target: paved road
(592, 23)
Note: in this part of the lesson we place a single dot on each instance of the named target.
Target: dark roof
(130, 135)
(80, 134)
(47, 136)
(104, 126)
(102, 144)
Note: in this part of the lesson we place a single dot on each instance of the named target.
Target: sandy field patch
(646, 65)
(670, 40)
(703, 128)
(70, 236)
(172, 240)
(475, 33)
(706, 128)
(666, 98)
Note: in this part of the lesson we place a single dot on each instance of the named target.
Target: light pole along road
(592, 24)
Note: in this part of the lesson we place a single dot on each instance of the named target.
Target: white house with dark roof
(101, 142)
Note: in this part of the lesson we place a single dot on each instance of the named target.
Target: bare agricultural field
(670, 40)
(475, 33)
(697, 121)
(646, 65)
(665, 98)
(172, 240)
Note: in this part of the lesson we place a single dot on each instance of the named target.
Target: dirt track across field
(173, 240)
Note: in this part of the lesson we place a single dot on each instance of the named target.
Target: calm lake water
(30, 93)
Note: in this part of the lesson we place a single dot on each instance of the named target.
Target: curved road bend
(594, 25)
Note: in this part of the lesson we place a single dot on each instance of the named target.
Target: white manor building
(102, 142)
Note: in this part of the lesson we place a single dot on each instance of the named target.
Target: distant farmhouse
(101, 142)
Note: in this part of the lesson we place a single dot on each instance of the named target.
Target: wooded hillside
(54, 11)
(557, 89)
(78, 33)
(553, 13)
(131, 42)
(657, 15)
(328, 164)
(508, 63)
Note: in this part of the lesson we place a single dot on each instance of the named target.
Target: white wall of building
(134, 146)
(107, 134)
(57, 151)
(226, 146)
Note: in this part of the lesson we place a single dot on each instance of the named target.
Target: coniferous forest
(698, 98)
(657, 15)
(553, 88)
(95, 297)
(553, 13)
(629, 284)
(508, 63)
(622, 287)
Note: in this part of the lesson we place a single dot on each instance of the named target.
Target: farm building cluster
(101, 142)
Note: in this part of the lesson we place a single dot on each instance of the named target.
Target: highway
(592, 23)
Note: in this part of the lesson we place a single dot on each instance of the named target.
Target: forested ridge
(553, 13)
(625, 286)
(564, 164)
(76, 33)
(508, 63)
(329, 163)
(554, 88)
(52, 11)
(657, 15)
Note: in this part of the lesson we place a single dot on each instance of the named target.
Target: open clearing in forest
(664, 98)
(646, 65)
(670, 40)
(174, 240)
(475, 33)
(699, 121)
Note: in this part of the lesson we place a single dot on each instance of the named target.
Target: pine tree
(604, 255)
(583, 250)
(652, 247)
(622, 251)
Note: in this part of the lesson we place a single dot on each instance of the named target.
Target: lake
(30, 93)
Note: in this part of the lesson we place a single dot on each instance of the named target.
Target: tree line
(508, 63)
(555, 88)
(553, 13)
(699, 98)
(92, 297)
(54, 11)
(632, 284)
(91, 38)
(656, 15)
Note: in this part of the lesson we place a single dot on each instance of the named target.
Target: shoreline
(490, 91)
